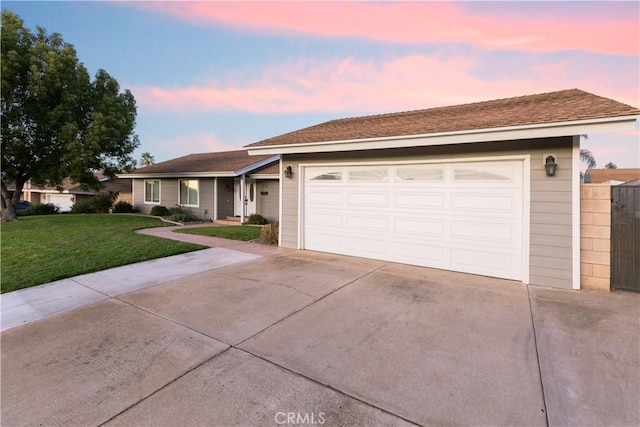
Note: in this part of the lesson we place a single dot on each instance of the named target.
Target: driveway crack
(535, 342)
(311, 303)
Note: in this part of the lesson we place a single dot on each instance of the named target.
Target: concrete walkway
(39, 302)
(214, 242)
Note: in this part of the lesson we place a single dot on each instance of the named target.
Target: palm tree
(147, 159)
(587, 158)
(611, 165)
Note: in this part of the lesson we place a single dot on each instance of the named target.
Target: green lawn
(41, 249)
(234, 232)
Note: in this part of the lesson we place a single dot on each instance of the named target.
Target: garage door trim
(524, 158)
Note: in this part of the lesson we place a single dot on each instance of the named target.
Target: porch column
(243, 196)
(215, 199)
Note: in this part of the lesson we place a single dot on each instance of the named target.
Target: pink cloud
(425, 22)
(193, 143)
(410, 82)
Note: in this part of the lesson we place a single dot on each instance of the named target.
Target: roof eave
(258, 165)
(178, 175)
(225, 174)
(543, 130)
(264, 176)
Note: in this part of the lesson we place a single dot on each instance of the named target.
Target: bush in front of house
(269, 234)
(159, 210)
(82, 207)
(256, 219)
(181, 214)
(123, 207)
(100, 203)
(42, 209)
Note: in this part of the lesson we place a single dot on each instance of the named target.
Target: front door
(250, 197)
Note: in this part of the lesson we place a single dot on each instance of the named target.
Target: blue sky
(213, 76)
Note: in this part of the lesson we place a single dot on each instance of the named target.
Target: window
(424, 173)
(189, 192)
(488, 172)
(326, 175)
(152, 191)
(367, 174)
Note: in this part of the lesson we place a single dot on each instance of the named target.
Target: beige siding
(268, 198)
(551, 210)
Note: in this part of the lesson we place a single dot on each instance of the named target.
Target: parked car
(22, 206)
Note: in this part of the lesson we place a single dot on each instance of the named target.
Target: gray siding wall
(550, 262)
(267, 204)
(225, 197)
(169, 196)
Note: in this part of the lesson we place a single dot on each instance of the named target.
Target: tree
(56, 122)
(587, 158)
(611, 165)
(147, 159)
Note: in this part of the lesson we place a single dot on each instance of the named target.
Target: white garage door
(465, 217)
(63, 201)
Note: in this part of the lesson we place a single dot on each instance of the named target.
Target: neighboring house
(611, 176)
(72, 193)
(461, 188)
(211, 185)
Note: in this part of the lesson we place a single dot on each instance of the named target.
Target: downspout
(243, 198)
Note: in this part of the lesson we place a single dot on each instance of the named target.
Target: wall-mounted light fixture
(288, 172)
(550, 165)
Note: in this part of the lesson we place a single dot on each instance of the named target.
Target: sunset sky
(211, 76)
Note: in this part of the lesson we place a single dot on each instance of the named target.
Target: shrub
(159, 210)
(42, 209)
(101, 202)
(182, 214)
(269, 234)
(256, 219)
(123, 207)
(83, 207)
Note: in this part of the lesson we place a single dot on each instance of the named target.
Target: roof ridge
(466, 104)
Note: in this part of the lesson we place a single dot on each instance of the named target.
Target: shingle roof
(604, 175)
(121, 185)
(272, 169)
(221, 162)
(562, 106)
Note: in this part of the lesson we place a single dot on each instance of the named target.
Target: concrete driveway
(316, 339)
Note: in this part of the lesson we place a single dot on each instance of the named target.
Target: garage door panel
(486, 231)
(424, 226)
(321, 241)
(325, 219)
(483, 261)
(464, 217)
(484, 202)
(419, 253)
(419, 200)
(380, 223)
(324, 197)
(371, 198)
(368, 246)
